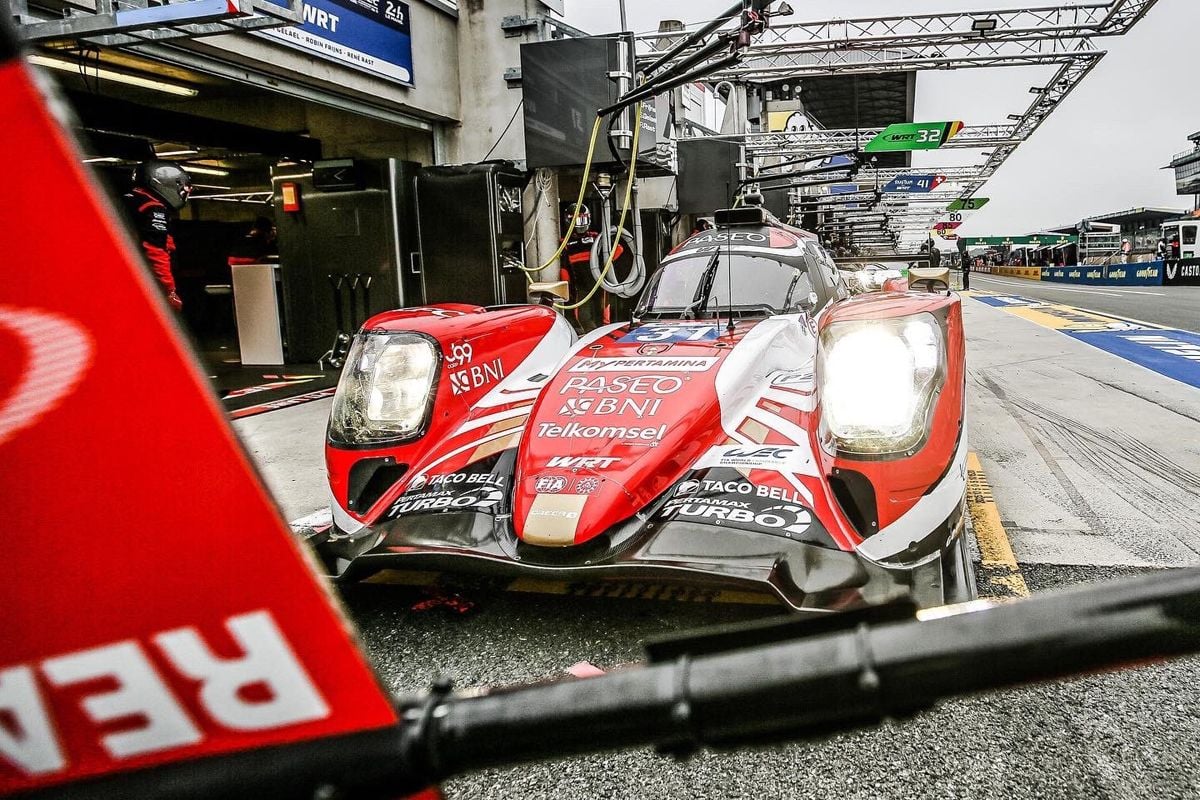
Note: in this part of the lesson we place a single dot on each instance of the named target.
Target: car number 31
(672, 333)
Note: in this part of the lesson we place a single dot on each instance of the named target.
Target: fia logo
(549, 484)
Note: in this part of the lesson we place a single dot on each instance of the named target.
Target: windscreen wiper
(704, 290)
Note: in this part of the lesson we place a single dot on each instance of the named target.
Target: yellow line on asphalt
(998, 562)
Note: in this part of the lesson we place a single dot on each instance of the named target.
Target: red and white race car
(753, 427)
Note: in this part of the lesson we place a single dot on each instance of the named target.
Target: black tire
(958, 573)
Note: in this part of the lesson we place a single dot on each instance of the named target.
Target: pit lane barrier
(1146, 273)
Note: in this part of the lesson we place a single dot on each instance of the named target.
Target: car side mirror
(548, 292)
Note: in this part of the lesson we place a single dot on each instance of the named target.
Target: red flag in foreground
(155, 607)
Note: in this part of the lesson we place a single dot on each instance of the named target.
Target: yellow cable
(637, 130)
(587, 169)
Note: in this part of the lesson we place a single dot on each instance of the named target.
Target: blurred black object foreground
(754, 684)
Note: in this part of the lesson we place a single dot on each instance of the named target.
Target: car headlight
(385, 391)
(878, 380)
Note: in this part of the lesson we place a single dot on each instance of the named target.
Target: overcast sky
(1101, 151)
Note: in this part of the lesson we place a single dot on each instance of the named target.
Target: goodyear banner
(1149, 273)
(1184, 272)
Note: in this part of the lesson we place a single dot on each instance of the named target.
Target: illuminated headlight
(878, 381)
(385, 390)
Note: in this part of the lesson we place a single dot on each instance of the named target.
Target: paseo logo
(659, 385)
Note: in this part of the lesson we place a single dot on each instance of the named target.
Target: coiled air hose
(602, 273)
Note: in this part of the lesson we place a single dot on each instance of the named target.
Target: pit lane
(1094, 464)
(1173, 306)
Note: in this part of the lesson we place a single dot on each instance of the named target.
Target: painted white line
(1049, 284)
(1122, 317)
(1112, 290)
(1040, 285)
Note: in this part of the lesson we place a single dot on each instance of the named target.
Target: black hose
(843, 677)
(697, 36)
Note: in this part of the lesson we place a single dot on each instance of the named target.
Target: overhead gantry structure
(1062, 35)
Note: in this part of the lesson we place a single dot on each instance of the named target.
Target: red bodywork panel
(900, 483)
(138, 628)
(618, 425)
(479, 348)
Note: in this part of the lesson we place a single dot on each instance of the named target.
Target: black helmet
(165, 180)
(583, 220)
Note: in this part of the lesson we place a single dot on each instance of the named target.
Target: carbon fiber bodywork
(803, 576)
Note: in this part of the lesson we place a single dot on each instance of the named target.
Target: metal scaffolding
(1062, 35)
(123, 22)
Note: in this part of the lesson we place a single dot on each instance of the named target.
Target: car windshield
(695, 285)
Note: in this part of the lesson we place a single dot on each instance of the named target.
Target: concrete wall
(487, 100)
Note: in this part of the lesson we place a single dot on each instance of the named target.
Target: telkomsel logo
(573, 430)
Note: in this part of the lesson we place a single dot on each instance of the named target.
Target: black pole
(703, 54)
(649, 90)
(847, 677)
(696, 36)
(335, 281)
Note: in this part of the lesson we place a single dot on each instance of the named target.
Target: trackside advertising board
(913, 184)
(908, 136)
(1185, 272)
(155, 608)
(370, 35)
(1148, 273)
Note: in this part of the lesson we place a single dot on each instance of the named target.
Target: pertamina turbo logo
(738, 503)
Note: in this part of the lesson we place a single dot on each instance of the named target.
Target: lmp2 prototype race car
(754, 427)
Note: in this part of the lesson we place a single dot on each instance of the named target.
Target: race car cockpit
(704, 285)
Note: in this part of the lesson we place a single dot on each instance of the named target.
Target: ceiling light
(168, 153)
(102, 160)
(110, 75)
(218, 187)
(983, 24)
(205, 170)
